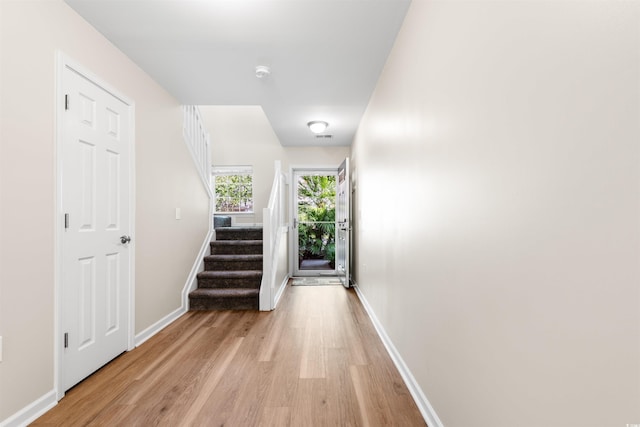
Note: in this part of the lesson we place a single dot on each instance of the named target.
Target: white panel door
(95, 187)
(343, 221)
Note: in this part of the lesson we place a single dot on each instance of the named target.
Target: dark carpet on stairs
(233, 272)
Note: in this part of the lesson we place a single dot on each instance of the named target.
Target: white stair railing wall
(274, 272)
(197, 140)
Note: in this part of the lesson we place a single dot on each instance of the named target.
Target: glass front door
(343, 221)
(315, 220)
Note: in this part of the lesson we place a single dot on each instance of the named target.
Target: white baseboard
(31, 412)
(198, 266)
(190, 284)
(159, 325)
(427, 411)
(280, 291)
(37, 408)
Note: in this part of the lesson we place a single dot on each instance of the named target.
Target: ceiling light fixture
(317, 126)
(262, 71)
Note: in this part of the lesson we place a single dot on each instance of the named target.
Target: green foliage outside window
(234, 193)
(317, 215)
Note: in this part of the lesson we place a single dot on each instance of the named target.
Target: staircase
(233, 272)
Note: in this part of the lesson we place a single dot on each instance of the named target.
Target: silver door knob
(125, 239)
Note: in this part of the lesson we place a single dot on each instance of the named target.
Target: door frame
(62, 63)
(293, 235)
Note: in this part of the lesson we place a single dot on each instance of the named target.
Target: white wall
(31, 32)
(498, 209)
(242, 135)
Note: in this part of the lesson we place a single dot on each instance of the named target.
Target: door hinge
(66, 221)
(66, 102)
(66, 340)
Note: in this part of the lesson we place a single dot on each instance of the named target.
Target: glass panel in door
(316, 223)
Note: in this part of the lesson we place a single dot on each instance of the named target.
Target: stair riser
(231, 234)
(230, 303)
(216, 265)
(217, 249)
(229, 283)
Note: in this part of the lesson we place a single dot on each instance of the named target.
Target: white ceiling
(325, 55)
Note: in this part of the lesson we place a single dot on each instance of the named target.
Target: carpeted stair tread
(250, 279)
(235, 242)
(233, 262)
(239, 233)
(230, 247)
(224, 292)
(233, 257)
(239, 228)
(240, 274)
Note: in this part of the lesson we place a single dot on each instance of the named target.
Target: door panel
(113, 287)
(95, 186)
(86, 302)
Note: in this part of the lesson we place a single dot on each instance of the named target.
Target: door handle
(125, 239)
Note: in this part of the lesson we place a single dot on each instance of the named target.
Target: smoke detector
(262, 71)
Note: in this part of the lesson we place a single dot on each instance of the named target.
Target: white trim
(280, 291)
(269, 260)
(198, 266)
(63, 62)
(32, 411)
(202, 162)
(234, 214)
(132, 227)
(57, 235)
(271, 241)
(232, 170)
(243, 224)
(427, 411)
(190, 284)
(293, 236)
(284, 229)
(159, 325)
(199, 146)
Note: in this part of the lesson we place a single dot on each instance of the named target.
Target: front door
(96, 250)
(314, 220)
(343, 221)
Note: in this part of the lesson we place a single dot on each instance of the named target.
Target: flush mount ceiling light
(262, 71)
(317, 126)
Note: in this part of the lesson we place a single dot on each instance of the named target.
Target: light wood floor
(315, 360)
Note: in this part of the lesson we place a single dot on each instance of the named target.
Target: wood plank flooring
(314, 361)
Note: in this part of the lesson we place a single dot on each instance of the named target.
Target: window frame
(237, 170)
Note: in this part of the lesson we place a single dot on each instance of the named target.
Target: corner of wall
(31, 412)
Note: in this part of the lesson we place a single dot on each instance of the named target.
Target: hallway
(315, 360)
